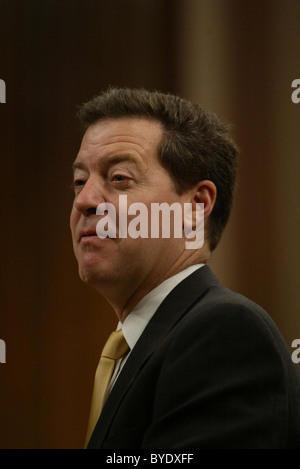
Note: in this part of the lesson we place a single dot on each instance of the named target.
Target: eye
(119, 178)
(77, 184)
(120, 181)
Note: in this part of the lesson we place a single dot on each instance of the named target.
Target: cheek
(74, 218)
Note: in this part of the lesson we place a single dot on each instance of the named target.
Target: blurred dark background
(235, 57)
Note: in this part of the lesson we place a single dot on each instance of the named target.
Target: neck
(123, 303)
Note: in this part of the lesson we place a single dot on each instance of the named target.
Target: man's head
(153, 148)
(195, 144)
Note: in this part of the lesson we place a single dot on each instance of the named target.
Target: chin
(96, 276)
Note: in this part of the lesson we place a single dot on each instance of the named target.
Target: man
(203, 367)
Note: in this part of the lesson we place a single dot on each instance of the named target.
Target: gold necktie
(115, 348)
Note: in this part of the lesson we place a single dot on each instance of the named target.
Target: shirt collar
(138, 318)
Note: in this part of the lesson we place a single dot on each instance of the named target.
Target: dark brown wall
(55, 55)
(240, 62)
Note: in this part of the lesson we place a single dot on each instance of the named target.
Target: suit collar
(175, 305)
(139, 317)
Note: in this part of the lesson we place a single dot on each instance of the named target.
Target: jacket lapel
(175, 305)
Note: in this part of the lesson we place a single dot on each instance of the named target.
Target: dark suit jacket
(211, 370)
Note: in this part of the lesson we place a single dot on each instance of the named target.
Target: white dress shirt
(138, 318)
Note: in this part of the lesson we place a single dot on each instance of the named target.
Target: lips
(87, 233)
(84, 234)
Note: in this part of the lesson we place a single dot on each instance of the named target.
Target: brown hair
(195, 146)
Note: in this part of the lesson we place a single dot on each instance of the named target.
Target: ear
(202, 198)
(205, 192)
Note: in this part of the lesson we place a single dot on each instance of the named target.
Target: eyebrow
(106, 160)
(77, 165)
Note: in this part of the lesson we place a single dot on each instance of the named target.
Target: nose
(89, 197)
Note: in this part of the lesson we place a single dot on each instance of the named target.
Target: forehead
(137, 137)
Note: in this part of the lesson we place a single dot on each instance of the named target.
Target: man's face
(119, 157)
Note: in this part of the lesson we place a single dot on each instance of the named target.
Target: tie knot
(116, 346)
